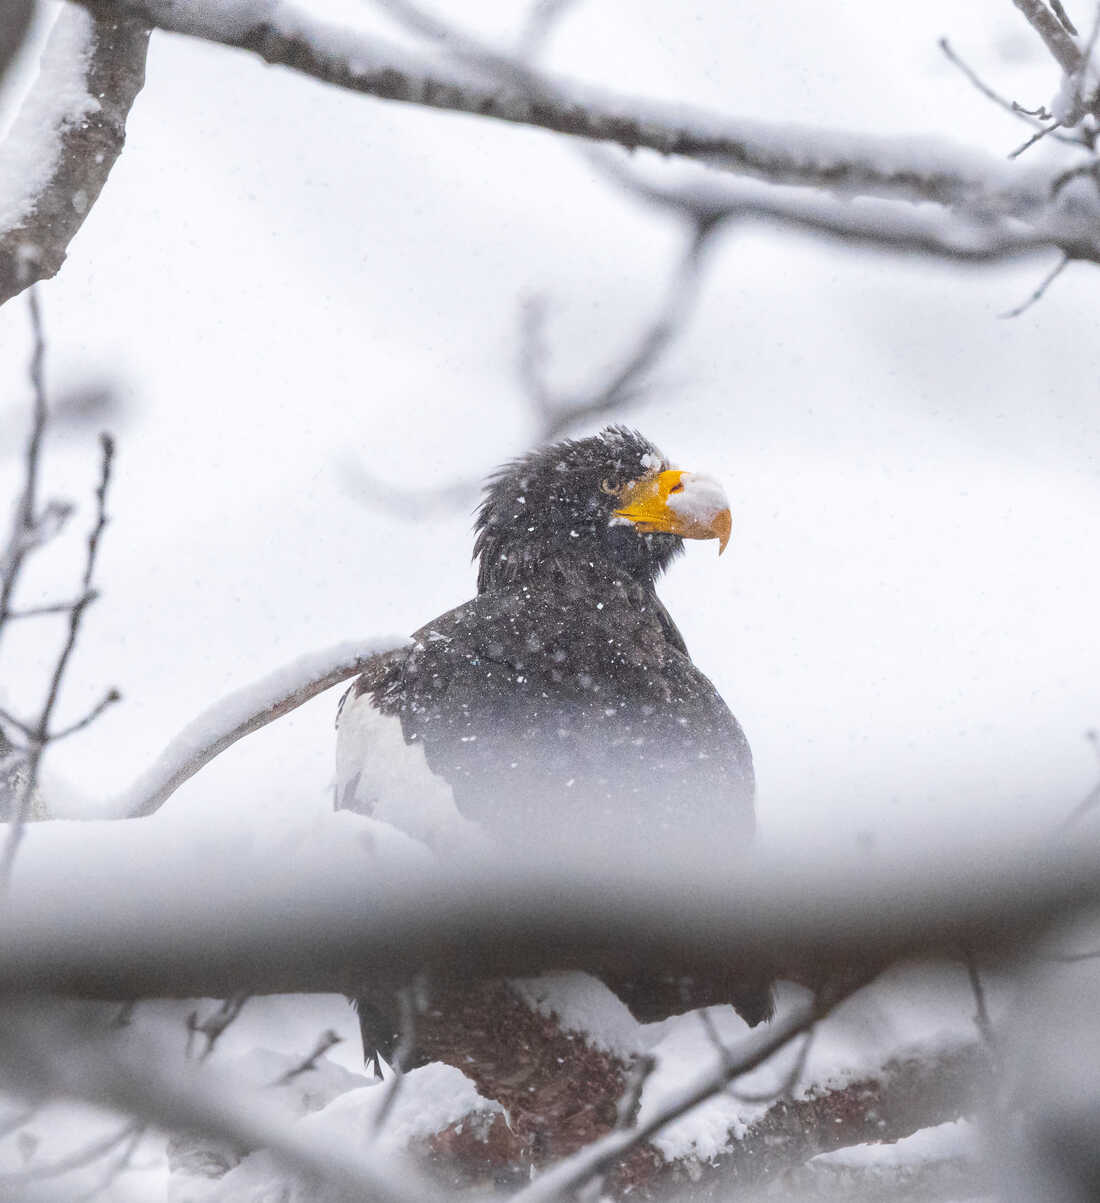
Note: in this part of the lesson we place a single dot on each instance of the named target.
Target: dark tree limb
(84, 147)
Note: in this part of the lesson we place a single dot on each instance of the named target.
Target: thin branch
(402, 1053)
(215, 1024)
(64, 607)
(917, 1089)
(878, 225)
(328, 1039)
(21, 539)
(598, 1158)
(1039, 292)
(114, 1169)
(1008, 105)
(640, 1073)
(1035, 137)
(98, 58)
(73, 1161)
(109, 699)
(981, 1012)
(557, 415)
(238, 715)
(39, 736)
(1055, 38)
(542, 18)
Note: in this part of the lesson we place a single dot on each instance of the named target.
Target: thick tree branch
(238, 715)
(163, 929)
(1054, 36)
(66, 138)
(783, 154)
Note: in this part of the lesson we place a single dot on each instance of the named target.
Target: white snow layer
(585, 1006)
(430, 1099)
(59, 99)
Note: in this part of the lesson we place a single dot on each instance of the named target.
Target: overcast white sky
(280, 276)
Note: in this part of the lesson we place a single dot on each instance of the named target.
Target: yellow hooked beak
(679, 503)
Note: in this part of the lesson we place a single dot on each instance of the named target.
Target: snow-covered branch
(919, 169)
(920, 1088)
(47, 1052)
(239, 714)
(66, 138)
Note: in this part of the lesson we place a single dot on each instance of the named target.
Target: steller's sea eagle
(560, 704)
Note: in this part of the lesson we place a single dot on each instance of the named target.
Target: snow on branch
(920, 169)
(49, 1051)
(916, 1089)
(66, 138)
(239, 714)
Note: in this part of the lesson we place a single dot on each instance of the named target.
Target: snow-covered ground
(281, 279)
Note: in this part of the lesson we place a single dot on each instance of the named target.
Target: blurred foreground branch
(170, 930)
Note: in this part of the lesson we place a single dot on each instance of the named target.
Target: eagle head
(605, 504)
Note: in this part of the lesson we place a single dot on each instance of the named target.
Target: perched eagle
(560, 704)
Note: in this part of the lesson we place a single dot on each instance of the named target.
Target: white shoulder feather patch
(380, 775)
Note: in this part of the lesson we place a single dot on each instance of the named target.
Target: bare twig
(1092, 799)
(557, 415)
(40, 734)
(1010, 106)
(639, 1074)
(109, 699)
(542, 17)
(215, 1024)
(73, 1161)
(405, 1046)
(1035, 137)
(86, 137)
(63, 607)
(21, 539)
(981, 1012)
(114, 1167)
(328, 1039)
(238, 715)
(1039, 292)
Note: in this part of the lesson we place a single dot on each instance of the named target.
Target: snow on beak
(681, 503)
